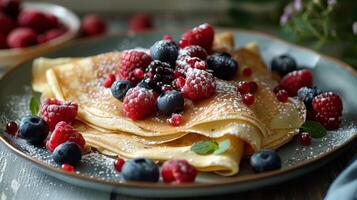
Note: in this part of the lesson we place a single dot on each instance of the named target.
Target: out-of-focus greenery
(322, 25)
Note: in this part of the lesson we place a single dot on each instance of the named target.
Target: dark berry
(67, 153)
(120, 88)
(158, 74)
(307, 95)
(304, 138)
(140, 169)
(223, 66)
(170, 102)
(165, 51)
(265, 160)
(283, 64)
(118, 164)
(243, 87)
(282, 96)
(11, 128)
(33, 129)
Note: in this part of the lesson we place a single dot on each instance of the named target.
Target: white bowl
(10, 57)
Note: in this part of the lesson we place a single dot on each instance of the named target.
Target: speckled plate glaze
(96, 171)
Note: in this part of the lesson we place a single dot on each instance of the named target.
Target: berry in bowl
(31, 29)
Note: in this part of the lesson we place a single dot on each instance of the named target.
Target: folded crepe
(266, 124)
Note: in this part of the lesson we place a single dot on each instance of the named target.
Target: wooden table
(19, 179)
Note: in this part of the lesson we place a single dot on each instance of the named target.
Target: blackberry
(307, 95)
(158, 74)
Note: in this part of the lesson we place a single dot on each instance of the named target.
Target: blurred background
(329, 26)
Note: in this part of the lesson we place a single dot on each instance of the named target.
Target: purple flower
(288, 11)
(354, 28)
(297, 5)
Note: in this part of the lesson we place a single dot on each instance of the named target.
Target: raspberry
(35, 20)
(140, 23)
(194, 51)
(202, 35)
(179, 82)
(63, 133)
(93, 25)
(50, 35)
(199, 85)
(158, 74)
(131, 60)
(196, 62)
(328, 108)
(176, 119)
(108, 82)
(7, 24)
(282, 96)
(54, 111)
(118, 164)
(21, 37)
(178, 171)
(295, 80)
(10, 7)
(139, 102)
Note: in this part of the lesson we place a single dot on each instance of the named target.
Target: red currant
(282, 96)
(109, 81)
(253, 86)
(247, 71)
(243, 87)
(248, 99)
(304, 138)
(118, 164)
(11, 128)
(67, 167)
(176, 119)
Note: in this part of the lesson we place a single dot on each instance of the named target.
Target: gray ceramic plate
(96, 171)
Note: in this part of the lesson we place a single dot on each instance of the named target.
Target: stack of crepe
(266, 124)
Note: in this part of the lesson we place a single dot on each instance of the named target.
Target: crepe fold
(267, 124)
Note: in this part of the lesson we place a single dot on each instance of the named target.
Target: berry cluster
(323, 107)
(160, 79)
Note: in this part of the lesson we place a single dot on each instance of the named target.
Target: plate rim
(222, 183)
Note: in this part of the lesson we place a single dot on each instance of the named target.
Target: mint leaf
(34, 106)
(315, 129)
(223, 146)
(204, 147)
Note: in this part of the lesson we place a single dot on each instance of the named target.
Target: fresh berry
(282, 96)
(53, 22)
(139, 102)
(295, 80)
(3, 42)
(248, 99)
(93, 25)
(7, 24)
(253, 86)
(283, 64)
(265, 160)
(35, 20)
(54, 111)
(202, 35)
(176, 119)
(222, 65)
(33, 129)
(140, 169)
(243, 87)
(247, 71)
(168, 37)
(170, 102)
(165, 51)
(304, 138)
(22, 37)
(63, 133)
(67, 167)
(328, 108)
(179, 82)
(118, 164)
(67, 153)
(10, 7)
(108, 82)
(178, 171)
(158, 74)
(307, 94)
(194, 51)
(11, 128)
(50, 35)
(199, 84)
(140, 23)
(131, 60)
(139, 73)
(196, 62)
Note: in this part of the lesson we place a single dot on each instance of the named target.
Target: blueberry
(265, 160)
(33, 129)
(170, 102)
(283, 64)
(119, 89)
(222, 65)
(165, 51)
(67, 153)
(140, 169)
(307, 95)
